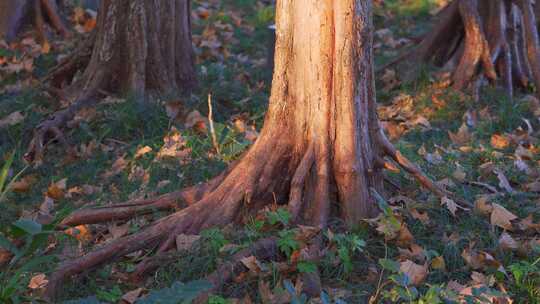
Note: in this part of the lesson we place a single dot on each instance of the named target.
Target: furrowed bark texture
(140, 46)
(14, 14)
(319, 151)
(492, 39)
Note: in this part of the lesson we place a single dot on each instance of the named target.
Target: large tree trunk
(477, 39)
(141, 47)
(14, 14)
(321, 144)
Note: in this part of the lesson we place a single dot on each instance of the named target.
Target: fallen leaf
(184, 242)
(81, 233)
(405, 237)
(38, 281)
(56, 190)
(24, 184)
(499, 141)
(142, 151)
(438, 263)
(12, 119)
(482, 206)
(197, 122)
(252, 264)
(506, 242)
(502, 217)
(416, 273)
(503, 181)
(132, 296)
(462, 136)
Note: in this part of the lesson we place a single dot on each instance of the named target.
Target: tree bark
(14, 14)
(321, 144)
(496, 39)
(139, 47)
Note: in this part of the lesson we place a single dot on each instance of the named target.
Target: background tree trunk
(319, 153)
(495, 40)
(14, 14)
(140, 46)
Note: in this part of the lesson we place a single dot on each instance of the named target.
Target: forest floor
(420, 250)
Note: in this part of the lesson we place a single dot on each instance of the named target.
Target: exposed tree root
(495, 39)
(215, 203)
(50, 130)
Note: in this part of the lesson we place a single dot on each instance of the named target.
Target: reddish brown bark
(496, 39)
(321, 143)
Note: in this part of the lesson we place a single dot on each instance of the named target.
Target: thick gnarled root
(217, 203)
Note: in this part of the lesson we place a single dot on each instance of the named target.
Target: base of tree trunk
(321, 152)
(14, 14)
(477, 40)
(139, 47)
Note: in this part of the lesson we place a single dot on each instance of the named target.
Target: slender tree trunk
(495, 39)
(319, 153)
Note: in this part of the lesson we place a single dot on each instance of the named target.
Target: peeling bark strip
(320, 145)
(497, 39)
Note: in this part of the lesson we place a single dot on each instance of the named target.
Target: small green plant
(527, 279)
(110, 296)
(26, 260)
(280, 216)
(4, 173)
(306, 267)
(347, 246)
(215, 238)
(218, 300)
(287, 242)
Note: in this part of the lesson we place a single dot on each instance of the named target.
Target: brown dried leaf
(132, 296)
(184, 242)
(502, 217)
(24, 184)
(12, 119)
(38, 281)
(506, 242)
(416, 273)
(462, 137)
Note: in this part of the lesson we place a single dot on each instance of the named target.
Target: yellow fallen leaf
(142, 151)
(499, 141)
(81, 233)
(438, 263)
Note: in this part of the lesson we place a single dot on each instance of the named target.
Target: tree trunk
(320, 150)
(141, 47)
(14, 14)
(495, 39)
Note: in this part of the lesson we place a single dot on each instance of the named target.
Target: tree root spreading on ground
(477, 40)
